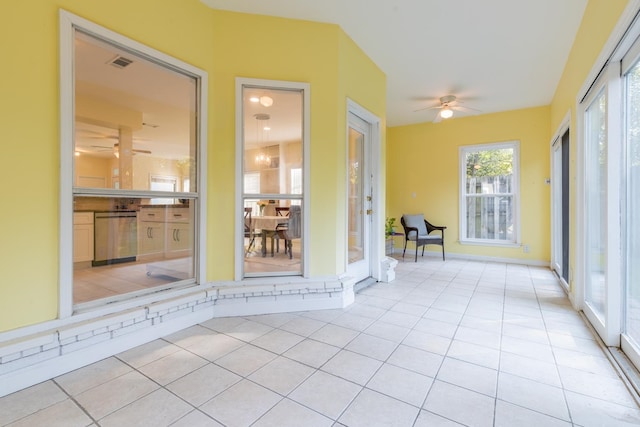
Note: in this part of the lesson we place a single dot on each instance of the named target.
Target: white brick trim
(37, 357)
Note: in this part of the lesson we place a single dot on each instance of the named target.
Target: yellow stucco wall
(226, 45)
(423, 159)
(599, 19)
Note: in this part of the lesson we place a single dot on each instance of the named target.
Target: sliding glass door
(595, 126)
(631, 333)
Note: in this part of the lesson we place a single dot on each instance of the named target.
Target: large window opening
(135, 184)
(272, 180)
(489, 193)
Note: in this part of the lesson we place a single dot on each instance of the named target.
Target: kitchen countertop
(163, 206)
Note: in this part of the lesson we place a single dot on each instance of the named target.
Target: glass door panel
(596, 205)
(356, 197)
(359, 199)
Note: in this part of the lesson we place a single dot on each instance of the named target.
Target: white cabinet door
(178, 239)
(83, 242)
(82, 236)
(151, 237)
(179, 233)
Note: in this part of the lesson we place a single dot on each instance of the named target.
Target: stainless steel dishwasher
(115, 237)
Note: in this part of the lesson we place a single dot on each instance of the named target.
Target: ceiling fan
(448, 104)
(115, 148)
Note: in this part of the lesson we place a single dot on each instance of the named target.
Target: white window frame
(463, 151)
(241, 82)
(68, 23)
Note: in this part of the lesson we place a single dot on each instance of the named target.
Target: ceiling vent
(120, 62)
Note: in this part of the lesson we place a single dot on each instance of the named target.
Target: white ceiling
(494, 55)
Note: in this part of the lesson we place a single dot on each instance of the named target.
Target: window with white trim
(127, 230)
(489, 193)
(274, 119)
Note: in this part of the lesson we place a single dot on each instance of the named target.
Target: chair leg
(405, 248)
(443, 251)
(416, 252)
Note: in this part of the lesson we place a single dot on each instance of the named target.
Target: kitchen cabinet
(178, 233)
(151, 232)
(164, 232)
(151, 236)
(82, 236)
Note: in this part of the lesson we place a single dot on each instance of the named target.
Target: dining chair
(291, 230)
(248, 230)
(282, 210)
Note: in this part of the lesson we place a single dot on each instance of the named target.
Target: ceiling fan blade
(462, 107)
(102, 148)
(141, 151)
(428, 108)
(437, 119)
(98, 137)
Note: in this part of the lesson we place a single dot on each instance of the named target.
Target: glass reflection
(128, 245)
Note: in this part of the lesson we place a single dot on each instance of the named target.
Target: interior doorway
(560, 205)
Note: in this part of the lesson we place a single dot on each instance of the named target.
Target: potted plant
(389, 229)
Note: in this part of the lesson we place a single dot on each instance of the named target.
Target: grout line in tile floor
(73, 399)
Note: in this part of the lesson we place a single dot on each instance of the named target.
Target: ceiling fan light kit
(446, 112)
(447, 105)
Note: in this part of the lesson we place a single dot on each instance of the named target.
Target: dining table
(267, 224)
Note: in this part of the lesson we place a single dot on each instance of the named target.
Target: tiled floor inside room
(446, 344)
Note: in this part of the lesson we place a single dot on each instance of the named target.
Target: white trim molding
(32, 355)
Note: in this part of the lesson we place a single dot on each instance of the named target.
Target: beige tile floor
(452, 343)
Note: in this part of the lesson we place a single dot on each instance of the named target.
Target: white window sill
(490, 243)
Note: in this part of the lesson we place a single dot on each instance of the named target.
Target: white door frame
(556, 199)
(376, 240)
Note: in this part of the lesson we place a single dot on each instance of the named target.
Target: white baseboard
(453, 255)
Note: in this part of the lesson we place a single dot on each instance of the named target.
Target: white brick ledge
(37, 357)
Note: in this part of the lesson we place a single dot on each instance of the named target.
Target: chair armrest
(408, 230)
(431, 227)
